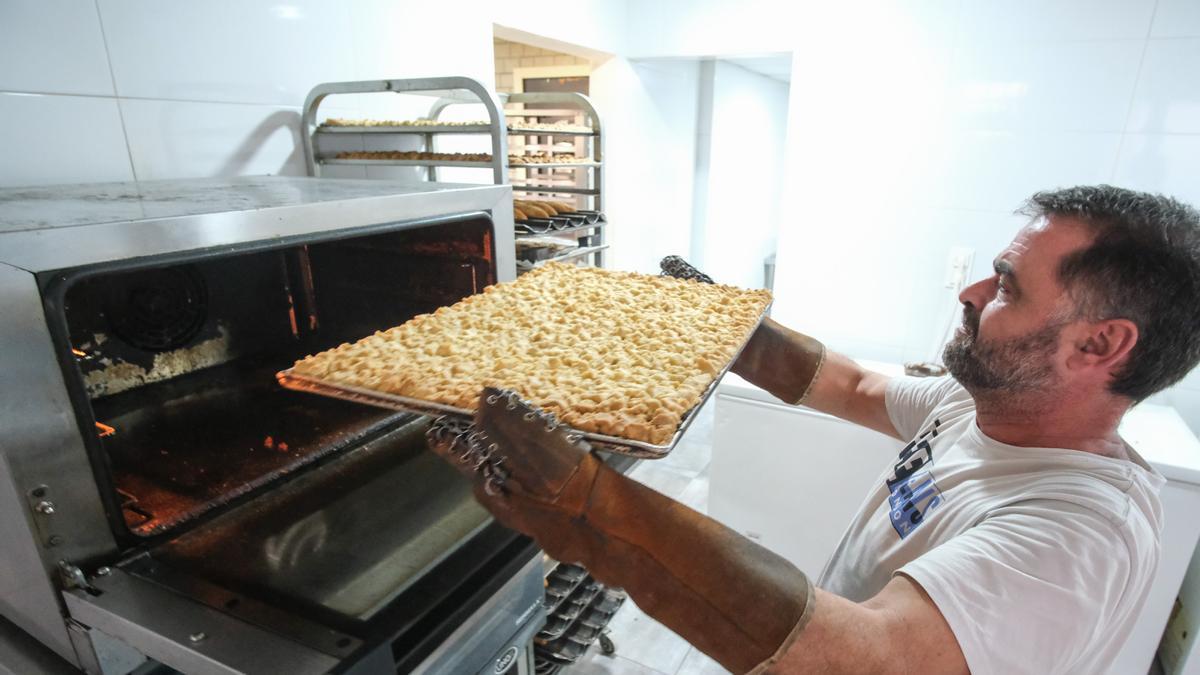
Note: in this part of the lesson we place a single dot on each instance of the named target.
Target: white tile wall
(741, 182)
(1038, 95)
(1054, 21)
(860, 298)
(511, 55)
(1187, 401)
(1167, 163)
(243, 51)
(52, 46)
(650, 152)
(1168, 91)
(1060, 86)
(1176, 18)
(997, 170)
(180, 139)
(420, 39)
(208, 88)
(61, 139)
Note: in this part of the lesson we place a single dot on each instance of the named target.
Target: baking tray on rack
(603, 442)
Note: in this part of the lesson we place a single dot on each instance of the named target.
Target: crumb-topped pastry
(609, 352)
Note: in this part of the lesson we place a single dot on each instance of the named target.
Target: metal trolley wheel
(607, 646)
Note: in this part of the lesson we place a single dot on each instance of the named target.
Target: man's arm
(798, 369)
(741, 604)
(899, 631)
(847, 390)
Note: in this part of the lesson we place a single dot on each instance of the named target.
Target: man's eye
(1000, 287)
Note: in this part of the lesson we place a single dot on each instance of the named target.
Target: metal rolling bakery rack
(444, 90)
(580, 182)
(513, 131)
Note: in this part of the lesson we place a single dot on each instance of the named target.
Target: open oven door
(380, 562)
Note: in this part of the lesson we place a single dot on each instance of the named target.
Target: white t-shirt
(1038, 558)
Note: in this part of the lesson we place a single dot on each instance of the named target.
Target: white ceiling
(778, 67)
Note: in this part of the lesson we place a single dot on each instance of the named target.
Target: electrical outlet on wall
(958, 267)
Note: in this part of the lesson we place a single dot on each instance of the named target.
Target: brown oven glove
(778, 359)
(782, 361)
(733, 599)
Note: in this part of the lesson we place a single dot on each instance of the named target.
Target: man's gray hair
(1144, 266)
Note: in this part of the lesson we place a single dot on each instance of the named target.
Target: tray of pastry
(359, 126)
(625, 360)
(409, 158)
(542, 159)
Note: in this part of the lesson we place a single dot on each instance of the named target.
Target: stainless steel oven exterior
(52, 521)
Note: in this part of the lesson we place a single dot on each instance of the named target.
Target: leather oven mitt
(733, 599)
(674, 266)
(777, 358)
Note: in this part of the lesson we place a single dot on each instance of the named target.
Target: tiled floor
(644, 646)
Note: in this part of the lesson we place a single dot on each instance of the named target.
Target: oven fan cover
(158, 310)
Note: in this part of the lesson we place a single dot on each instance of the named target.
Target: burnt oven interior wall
(178, 361)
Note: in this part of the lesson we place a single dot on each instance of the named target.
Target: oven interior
(320, 519)
(176, 361)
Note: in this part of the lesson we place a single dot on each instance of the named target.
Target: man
(1016, 532)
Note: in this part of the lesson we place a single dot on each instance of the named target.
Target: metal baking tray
(604, 442)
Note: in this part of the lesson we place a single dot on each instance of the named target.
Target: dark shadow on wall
(293, 165)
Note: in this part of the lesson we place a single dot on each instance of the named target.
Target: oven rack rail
(557, 165)
(572, 254)
(403, 162)
(566, 230)
(529, 187)
(452, 162)
(447, 129)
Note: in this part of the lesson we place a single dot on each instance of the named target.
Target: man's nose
(979, 293)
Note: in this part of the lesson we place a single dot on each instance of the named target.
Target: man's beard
(1016, 365)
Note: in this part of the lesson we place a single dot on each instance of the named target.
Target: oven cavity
(177, 360)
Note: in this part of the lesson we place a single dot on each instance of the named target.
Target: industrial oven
(163, 500)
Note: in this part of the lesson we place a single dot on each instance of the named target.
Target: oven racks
(585, 225)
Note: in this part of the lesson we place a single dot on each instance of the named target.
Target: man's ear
(1104, 344)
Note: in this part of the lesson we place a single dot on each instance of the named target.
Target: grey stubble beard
(1015, 373)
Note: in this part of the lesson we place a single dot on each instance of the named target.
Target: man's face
(1010, 340)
